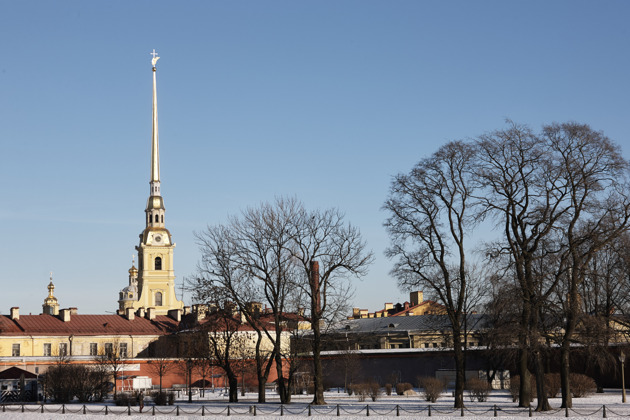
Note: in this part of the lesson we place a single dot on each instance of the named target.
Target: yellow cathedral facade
(152, 284)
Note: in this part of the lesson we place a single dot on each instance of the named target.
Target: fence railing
(301, 410)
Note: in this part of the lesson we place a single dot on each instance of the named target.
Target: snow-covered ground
(409, 407)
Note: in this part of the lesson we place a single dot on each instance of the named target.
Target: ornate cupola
(155, 275)
(51, 306)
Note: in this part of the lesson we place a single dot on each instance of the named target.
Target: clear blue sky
(322, 100)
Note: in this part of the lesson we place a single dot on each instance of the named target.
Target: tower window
(162, 218)
(158, 263)
(158, 298)
(157, 218)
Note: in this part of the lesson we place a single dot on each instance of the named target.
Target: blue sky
(324, 101)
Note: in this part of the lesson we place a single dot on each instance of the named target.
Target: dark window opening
(158, 263)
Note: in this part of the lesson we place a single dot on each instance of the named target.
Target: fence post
(495, 410)
(22, 408)
(338, 410)
(309, 410)
(42, 408)
(281, 410)
(228, 413)
(254, 411)
(429, 411)
(530, 411)
(107, 410)
(462, 411)
(367, 410)
(63, 409)
(128, 409)
(566, 411)
(177, 410)
(203, 410)
(604, 411)
(397, 410)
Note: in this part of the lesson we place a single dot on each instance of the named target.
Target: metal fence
(301, 410)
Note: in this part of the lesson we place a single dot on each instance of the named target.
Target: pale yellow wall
(34, 346)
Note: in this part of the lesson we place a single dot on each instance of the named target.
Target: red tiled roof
(86, 325)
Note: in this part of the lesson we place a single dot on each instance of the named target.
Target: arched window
(158, 298)
(157, 218)
(158, 263)
(162, 218)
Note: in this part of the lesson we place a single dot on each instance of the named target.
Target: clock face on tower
(158, 238)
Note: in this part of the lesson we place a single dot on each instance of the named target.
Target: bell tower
(155, 278)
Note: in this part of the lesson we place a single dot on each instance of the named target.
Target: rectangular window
(93, 349)
(63, 349)
(123, 350)
(15, 351)
(47, 349)
(109, 349)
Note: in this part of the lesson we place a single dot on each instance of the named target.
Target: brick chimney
(15, 313)
(315, 284)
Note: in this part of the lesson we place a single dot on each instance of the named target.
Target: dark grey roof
(417, 323)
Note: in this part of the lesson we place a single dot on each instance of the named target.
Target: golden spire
(155, 151)
(155, 204)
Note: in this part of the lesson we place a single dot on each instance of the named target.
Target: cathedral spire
(155, 204)
(155, 149)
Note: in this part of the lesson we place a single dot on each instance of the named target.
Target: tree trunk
(565, 371)
(541, 392)
(282, 385)
(460, 374)
(318, 398)
(525, 391)
(233, 383)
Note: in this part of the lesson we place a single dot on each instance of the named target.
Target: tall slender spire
(155, 148)
(155, 203)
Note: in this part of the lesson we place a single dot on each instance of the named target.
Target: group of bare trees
(270, 268)
(559, 203)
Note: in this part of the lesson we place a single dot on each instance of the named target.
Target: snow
(410, 407)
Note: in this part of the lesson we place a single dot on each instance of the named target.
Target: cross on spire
(154, 54)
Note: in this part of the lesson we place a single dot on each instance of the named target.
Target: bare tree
(160, 366)
(112, 357)
(265, 256)
(329, 252)
(257, 269)
(430, 218)
(595, 177)
(523, 195)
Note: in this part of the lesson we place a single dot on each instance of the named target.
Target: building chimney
(73, 311)
(15, 313)
(315, 286)
(150, 313)
(416, 298)
(129, 313)
(64, 314)
(176, 314)
(140, 312)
